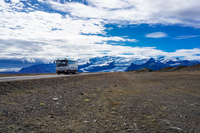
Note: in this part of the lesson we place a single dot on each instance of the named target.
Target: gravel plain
(103, 103)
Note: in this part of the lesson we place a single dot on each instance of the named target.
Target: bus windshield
(61, 63)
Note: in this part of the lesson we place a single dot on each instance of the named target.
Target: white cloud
(186, 37)
(111, 4)
(167, 12)
(43, 35)
(15, 1)
(188, 54)
(183, 12)
(10, 70)
(75, 48)
(47, 36)
(156, 35)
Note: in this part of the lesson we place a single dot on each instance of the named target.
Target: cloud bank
(77, 29)
(183, 12)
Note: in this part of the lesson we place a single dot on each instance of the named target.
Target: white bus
(66, 66)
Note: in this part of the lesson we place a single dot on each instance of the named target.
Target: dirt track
(16, 77)
(115, 102)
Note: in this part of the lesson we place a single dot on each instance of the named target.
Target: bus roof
(65, 60)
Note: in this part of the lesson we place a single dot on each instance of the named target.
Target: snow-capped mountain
(14, 65)
(109, 64)
(158, 64)
(113, 64)
(98, 64)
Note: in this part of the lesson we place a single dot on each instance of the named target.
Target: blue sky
(167, 38)
(82, 29)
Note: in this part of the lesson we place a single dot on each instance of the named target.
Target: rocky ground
(103, 103)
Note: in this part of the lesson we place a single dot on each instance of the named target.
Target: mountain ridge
(113, 64)
(156, 64)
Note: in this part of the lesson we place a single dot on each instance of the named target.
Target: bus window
(71, 62)
(61, 63)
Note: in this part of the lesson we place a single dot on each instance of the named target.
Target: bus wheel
(66, 72)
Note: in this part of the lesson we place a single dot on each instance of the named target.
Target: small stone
(55, 98)
(143, 125)
(94, 121)
(124, 124)
(191, 104)
(113, 108)
(176, 128)
(50, 116)
(42, 104)
(86, 100)
(113, 112)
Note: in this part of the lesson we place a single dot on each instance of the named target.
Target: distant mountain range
(191, 68)
(113, 64)
(159, 64)
(41, 68)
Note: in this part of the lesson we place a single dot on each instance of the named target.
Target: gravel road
(15, 78)
(124, 102)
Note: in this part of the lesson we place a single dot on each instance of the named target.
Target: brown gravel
(103, 103)
(31, 74)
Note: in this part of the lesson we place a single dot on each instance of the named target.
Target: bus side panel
(73, 67)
